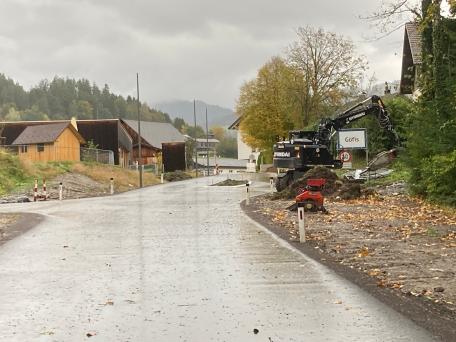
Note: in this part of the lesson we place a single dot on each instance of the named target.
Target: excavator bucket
(382, 160)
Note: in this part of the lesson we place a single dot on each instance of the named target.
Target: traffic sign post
(351, 139)
(346, 158)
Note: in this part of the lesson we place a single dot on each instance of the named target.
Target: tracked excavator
(306, 149)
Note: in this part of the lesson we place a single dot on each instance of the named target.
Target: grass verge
(17, 175)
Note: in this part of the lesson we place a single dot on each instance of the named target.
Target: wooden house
(108, 134)
(153, 136)
(50, 142)
(411, 59)
(105, 134)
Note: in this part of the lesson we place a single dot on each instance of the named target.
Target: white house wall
(244, 151)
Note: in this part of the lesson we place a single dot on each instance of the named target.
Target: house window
(24, 149)
(40, 147)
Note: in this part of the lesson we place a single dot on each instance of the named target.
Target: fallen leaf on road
(47, 333)
(374, 272)
(363, 252)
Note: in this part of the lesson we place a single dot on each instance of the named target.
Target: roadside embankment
(17, 178)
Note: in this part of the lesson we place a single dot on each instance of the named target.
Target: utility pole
(139, 135)
(196, 142)
(207, 144)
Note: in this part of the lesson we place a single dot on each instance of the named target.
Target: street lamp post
(139, 135)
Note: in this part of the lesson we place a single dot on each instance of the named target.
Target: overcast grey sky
(183, 49)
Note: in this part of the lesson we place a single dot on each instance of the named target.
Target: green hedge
(438, 179)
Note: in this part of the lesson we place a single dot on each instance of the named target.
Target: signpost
(346, 159)
(351, 139)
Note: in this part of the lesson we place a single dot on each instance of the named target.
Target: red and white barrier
(44, 190)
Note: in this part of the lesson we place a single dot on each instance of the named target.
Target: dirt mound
(176, 176)
(349, 191)
(331, 186)
(229, 182)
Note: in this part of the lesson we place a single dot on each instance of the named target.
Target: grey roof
(414, 38)
(157, 133)
(42, 134)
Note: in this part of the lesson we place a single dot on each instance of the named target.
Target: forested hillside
(64, 98)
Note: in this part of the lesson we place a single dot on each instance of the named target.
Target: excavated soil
(334, 187)
(230, 182)
(331, 186)
(400, 244)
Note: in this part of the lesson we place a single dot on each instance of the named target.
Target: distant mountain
(217, 116)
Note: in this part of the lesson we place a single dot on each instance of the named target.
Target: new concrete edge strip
(25, 222)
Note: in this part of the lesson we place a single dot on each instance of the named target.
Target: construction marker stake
(35, 191)
(112, 186)
(60, 191)
(302, 230)
(44, 190)
(247, 186)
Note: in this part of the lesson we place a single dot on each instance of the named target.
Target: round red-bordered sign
(345, 156)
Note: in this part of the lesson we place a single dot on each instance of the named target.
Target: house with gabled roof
(153, 136)
(50, 142)
(245, 152)
(411, 59)
(106, 134)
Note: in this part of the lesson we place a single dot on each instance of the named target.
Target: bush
(431, 156)
(438, 175)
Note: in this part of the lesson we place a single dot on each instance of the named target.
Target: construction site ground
(395, 246)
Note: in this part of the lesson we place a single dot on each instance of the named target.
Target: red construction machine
(311, 196)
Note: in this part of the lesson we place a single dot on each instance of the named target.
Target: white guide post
(60, 191)
(302, 230)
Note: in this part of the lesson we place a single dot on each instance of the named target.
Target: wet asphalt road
(175, 262)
